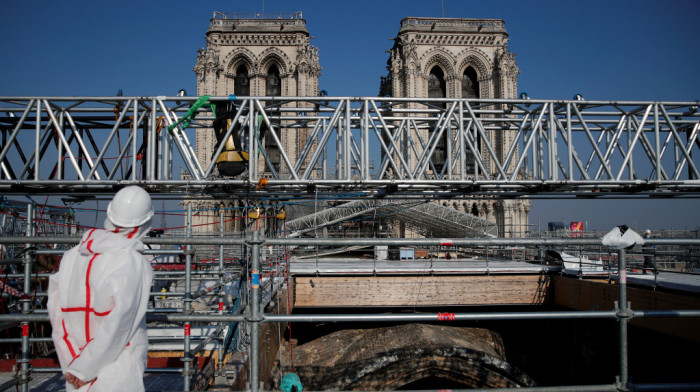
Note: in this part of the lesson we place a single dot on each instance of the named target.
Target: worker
(98, 300)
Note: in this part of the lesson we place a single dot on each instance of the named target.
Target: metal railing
(623, 313)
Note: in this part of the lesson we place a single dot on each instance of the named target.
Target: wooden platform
(425, 290)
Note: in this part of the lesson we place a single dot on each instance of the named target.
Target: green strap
(192, 113)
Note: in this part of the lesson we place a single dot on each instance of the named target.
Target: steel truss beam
(429, 219)
(426, 147)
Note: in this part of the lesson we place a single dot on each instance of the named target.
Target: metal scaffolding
(255, 314)
(429, 219)
(427, 147)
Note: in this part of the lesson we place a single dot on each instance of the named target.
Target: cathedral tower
(254, 55)
(460, 58)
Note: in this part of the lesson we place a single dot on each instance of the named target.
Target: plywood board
(427, 290)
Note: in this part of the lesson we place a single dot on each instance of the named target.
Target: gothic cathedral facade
(460, 58)
(246, 55)
(431, 57)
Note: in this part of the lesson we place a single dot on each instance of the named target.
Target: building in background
(264, 55)
(253, 55)
(460, 58)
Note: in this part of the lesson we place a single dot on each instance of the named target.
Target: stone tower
(254, 55)
(460, 58)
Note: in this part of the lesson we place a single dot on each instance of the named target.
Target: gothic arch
(485, 210)
(237, 57)
(399, 355)
(478, 60)
(274, 56)
(441, 58)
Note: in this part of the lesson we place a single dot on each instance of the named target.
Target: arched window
(485, 210)
(470, 83)
(241, 85)
(470, 89)
(273, 85)
(437, 88)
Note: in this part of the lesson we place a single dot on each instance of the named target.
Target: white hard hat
(131, 207)
(648, 231)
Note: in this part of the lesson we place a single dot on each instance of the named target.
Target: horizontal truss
(429, 219)
(593, 148)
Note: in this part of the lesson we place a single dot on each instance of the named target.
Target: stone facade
(255, 55)
(431, 57)
(460, 58)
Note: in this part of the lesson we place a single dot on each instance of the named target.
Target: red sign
(576, 229)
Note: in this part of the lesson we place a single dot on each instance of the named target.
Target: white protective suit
(97, 306)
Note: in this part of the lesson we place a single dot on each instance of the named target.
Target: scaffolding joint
(258, 319)
(620, 386)
(626, 313)
(28, 251)
(252, 242)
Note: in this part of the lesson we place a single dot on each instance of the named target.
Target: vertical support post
(152, 147)
(59, 148)
(220, 365)
(252, 144)
(570, 144)
(540, 145)
(37, 137)
(254, 310)
(26, 299)
(477, 154)
(553, 168)
(462, 151)
(364, 141)
(165, 165)
(623, 316)
(535, 157)
(134, 141)
(657, 143)
(448, 144)
(187, 360)
(324, 156)
(347, 155)
(338, 150)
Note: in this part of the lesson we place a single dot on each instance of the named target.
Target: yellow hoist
(254, 213)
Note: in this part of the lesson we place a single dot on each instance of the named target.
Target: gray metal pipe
(220, 364)
(24, 362)
(623, 316)
(611, 314)
(255, 310)
(666, 387)
(162, 316)
(480, 242)
(187, 359)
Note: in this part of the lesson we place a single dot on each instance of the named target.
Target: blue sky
(608, 50)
